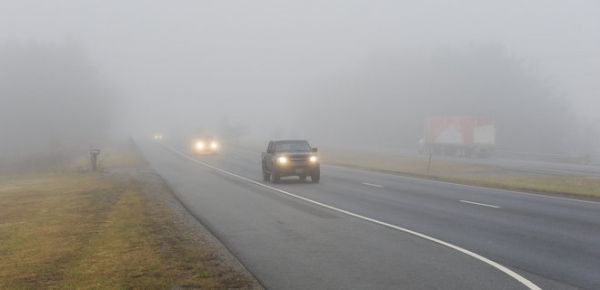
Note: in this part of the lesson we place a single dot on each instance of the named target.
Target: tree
(391, 96)
(53, 99)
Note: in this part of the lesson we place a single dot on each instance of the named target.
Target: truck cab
(290, 158)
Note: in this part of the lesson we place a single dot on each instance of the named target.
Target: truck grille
(298, 158)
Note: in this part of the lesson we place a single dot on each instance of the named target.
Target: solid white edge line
(372, 184)
(496, 265)
(477, 203)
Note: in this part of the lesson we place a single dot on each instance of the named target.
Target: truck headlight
(282, 160)
(214, 145)
(313, 159)
(199, 145)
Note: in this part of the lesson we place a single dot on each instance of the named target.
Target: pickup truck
(290, 158)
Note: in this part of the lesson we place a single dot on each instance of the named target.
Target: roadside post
(429, 162)
(94, 158)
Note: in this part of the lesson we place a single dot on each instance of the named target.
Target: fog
(76, 73)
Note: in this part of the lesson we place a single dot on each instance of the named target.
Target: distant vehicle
(463, 136)
(206, 145)
(290, 158)
(157, 137)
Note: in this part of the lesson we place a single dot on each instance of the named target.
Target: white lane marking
(477, 203)
(539, 195)
(372, 184)
(496, 265)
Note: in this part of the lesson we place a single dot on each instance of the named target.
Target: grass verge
(82, 230)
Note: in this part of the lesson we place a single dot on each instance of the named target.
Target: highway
(366, 230)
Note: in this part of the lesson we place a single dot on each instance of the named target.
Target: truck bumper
(297, 169)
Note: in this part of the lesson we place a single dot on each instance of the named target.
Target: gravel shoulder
(159, 195)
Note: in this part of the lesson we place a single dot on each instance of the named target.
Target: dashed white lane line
(372, 184)
(530, 285)
(477, 203)
(479, 187)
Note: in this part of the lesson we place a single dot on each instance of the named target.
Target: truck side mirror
(314, 149)
(270, 151)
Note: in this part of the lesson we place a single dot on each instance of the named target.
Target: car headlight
(282, 160)
(214, 145)
(313, 159)
(199, 145)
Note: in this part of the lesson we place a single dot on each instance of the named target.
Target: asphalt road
(351, 231)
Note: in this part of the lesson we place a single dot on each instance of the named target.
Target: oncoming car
(290, 158)
(206, 145)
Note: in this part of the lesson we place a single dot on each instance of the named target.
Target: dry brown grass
(82, 230)
(47, 222)
(123, 156)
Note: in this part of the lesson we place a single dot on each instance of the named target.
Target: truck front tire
(265, 174)
(315, 177)
(275, 177)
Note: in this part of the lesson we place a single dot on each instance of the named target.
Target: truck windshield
(292, 146)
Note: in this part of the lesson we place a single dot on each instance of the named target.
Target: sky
(196, 57)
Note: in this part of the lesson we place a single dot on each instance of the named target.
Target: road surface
(354, 229)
